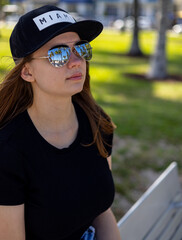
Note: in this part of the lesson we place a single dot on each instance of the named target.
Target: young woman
(55, 141)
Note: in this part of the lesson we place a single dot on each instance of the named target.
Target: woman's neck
(55, 116)
(57, 124)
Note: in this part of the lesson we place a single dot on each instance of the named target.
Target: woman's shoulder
(12, 128)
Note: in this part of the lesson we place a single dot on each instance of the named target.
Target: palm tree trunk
(158, 65)
(135, 48)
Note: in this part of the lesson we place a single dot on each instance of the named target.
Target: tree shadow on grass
(143, 77)
(119, 54)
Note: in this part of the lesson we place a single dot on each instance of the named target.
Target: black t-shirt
(63, 189)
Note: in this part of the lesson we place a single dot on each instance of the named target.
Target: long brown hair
(16, 95)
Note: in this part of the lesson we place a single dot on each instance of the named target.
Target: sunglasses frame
(71, 49)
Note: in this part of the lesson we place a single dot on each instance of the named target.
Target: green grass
(142, 109)
(5, 55)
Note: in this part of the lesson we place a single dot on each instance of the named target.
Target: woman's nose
(74, 60)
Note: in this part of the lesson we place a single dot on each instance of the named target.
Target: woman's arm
(105, 224)
(109, 160)
(12, 226)
(106, 227)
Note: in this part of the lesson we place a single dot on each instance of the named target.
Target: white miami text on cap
(50, 18)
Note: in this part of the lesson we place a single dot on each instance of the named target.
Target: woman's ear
(26, 73)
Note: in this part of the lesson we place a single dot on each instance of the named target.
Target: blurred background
(114, 13)
(136, 76)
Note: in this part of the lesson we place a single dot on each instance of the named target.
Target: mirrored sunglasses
(58, 56)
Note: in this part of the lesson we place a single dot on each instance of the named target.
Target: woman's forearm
(106, 227)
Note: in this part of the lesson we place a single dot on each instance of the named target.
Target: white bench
(157, 215)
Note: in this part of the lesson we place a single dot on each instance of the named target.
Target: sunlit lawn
(143, 109)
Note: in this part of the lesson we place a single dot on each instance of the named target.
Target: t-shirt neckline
(51, 147)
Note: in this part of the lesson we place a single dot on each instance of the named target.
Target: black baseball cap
(40, 25)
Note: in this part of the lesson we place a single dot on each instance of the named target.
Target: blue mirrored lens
(59, 56)
(84, 50)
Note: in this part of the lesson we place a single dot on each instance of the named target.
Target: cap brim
(87, 30)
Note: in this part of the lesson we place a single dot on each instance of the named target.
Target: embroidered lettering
(65, 15)
(58, 16)
(50, 18)
(42, 20)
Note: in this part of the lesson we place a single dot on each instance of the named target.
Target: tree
(158, 65)
(135, 48)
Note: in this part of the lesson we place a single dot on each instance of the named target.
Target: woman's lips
(76, 76)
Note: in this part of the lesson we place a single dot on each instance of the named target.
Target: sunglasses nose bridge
(74, 52)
